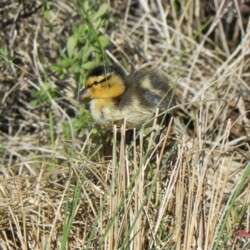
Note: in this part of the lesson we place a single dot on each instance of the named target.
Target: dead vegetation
(190, 190)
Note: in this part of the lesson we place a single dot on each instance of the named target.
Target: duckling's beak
(84, 94)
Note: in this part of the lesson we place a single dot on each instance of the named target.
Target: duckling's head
(104, 82)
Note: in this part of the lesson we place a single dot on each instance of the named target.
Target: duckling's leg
(107, 145)
(129, 136)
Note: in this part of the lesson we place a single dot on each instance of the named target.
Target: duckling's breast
(108, 113)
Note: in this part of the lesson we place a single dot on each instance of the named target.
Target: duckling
(117, 96)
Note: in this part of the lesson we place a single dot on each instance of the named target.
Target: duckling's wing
(153, 90)
(146, 89)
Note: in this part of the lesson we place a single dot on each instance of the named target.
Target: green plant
(82, 119)
(43, 95)
(86, 41)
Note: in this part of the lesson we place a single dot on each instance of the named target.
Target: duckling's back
(146, 92)
(148, 89)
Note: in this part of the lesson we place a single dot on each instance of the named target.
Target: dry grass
(187, 190)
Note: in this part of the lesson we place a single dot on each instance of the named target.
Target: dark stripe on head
(96, 82)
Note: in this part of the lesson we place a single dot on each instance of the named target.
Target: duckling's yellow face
(104, 83)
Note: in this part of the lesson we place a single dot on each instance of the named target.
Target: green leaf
(76, 68)
(104, 40)
(47, 14)
(71, 44)
(86, 5)
(55, 68)
(89, 65)
(102, 10)
(64, 63)
(33, 103)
